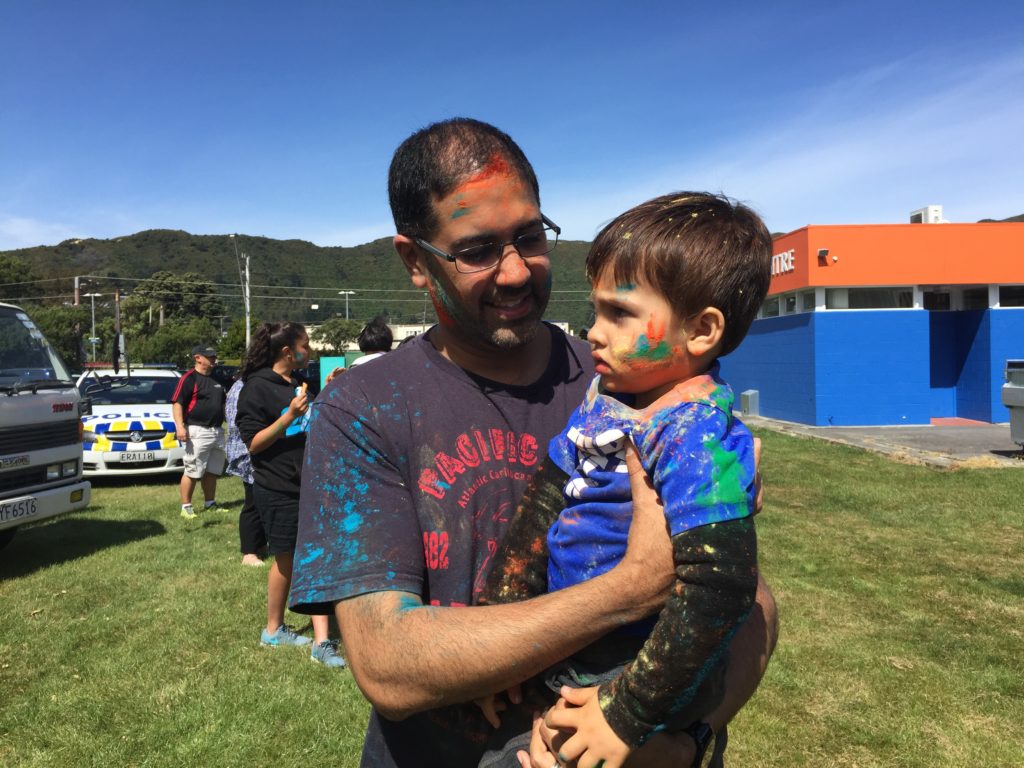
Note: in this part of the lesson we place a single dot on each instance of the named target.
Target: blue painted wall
(1007, 343)
(777, 359)
(947, 360)
(873, 367)
(877, 367)
(974, 391)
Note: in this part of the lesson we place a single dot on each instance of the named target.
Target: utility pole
(92, 296)
(346, 294)
(243, 277)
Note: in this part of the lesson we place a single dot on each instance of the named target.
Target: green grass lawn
(130, 637)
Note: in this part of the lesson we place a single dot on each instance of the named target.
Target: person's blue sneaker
(326, 653)
(284, 635)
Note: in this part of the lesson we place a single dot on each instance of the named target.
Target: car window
(141, 390)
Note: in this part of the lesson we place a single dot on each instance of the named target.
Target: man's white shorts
(204, 451)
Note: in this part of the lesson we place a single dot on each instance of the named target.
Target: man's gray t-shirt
(413, 469)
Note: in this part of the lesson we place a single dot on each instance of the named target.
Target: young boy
(677, 282)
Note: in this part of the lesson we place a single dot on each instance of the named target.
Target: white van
(40, 428)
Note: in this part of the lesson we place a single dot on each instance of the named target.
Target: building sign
(783, 262)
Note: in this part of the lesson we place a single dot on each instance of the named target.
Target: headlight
(89, 436)
(69, 469)
(52, 473)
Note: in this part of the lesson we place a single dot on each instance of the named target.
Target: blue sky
(280, 119)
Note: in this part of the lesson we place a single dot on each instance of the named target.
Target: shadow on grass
(69, 538)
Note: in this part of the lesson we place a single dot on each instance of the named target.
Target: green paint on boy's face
(651, 347)
(646, 352)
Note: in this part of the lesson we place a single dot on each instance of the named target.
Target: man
(198, 407)
(415, 464)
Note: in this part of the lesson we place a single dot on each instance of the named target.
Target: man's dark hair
(698, 250)
(432, 162)
(375, 336)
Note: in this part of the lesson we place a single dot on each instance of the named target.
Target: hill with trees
(173, 278)
(177, 287)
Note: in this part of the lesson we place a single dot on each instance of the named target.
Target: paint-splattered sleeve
(701, 462)
(716, 580)
(520, 569)
(358, 527)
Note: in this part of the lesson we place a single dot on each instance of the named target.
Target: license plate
(137, 456)
(24, 507)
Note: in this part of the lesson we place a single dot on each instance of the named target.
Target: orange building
(887, 324)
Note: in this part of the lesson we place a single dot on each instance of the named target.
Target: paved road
(986, 445)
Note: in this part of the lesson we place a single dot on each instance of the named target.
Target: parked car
(130, 430)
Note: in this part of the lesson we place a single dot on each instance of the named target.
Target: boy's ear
(704, 332)
(411, 256)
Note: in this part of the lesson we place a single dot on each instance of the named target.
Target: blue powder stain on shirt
(314, 553)
(351, 523)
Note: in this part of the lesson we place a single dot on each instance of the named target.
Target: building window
(1011, 295)
(790, 303)
(976, 298)
(869, 298)
(770, 308)
(807, 301)
(936, 300)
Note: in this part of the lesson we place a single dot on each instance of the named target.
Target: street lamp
(346, 294)
(243, 278)
(92, 339)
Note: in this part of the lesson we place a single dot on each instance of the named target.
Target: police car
(131, 428)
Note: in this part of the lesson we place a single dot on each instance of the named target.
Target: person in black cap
(198, 406)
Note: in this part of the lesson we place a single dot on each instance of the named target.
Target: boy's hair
(698, 250)
(376, 336)
(432, 162)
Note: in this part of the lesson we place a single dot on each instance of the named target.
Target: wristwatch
(704, 737)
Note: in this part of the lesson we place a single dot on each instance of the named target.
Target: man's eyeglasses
(477, 258)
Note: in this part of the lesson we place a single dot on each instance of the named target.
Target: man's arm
(407, 657)
(179, 422)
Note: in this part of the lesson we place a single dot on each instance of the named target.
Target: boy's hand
(594, 744)
(493, 704)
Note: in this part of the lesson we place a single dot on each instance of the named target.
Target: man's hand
(182, 434)
(593, 744)
(649, 548)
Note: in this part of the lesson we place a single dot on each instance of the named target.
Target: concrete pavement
(973, 445)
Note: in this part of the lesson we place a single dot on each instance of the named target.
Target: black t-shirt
(262, 401)
(413, 470)
(201, 398)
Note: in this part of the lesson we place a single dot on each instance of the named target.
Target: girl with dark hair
(273, 419)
